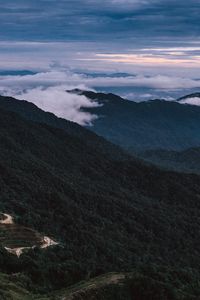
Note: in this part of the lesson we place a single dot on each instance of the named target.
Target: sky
(141, 49)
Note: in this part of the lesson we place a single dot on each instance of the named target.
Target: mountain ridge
(110, 213)
(193, 95)
(149, 125)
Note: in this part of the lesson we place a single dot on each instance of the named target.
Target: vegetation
(182, 161)
(109, 212)
(156, 124)
(155, 285)
(11, 288)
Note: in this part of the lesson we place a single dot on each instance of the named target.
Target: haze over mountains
(157, 131)
(137, 127)
(162, 132)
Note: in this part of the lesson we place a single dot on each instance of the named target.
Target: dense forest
(183, 161)
(150, 125)
(109, 212)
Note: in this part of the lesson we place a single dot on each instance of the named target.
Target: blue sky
(153, 44)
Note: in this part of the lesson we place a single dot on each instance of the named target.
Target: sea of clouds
(48, 90)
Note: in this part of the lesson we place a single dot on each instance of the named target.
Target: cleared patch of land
(47, 242)
(6, 219)
(16, 238)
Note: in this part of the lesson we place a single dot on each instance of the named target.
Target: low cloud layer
(48, 89)
(191, 101)
(74, 80)
(49, 92)
(149, 58)
(62, 104)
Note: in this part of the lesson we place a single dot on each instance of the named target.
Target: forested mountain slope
(31, 112)
(108, 211)
(156, 124)
(182, 161)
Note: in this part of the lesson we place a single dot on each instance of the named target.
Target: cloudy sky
(139, 48)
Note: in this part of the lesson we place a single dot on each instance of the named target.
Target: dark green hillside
(111, 286)
(182, 161)
(31, 112)
(130, 286)
(146, 125)
(12, 289)
(108, 214)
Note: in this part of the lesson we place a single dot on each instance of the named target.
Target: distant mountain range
(16, 72)
(194, 95)
(150, 125)
(109, 211)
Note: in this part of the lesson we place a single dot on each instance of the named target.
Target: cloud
(191, 101)
(49, 92)
(71, 79)
(62, 104)
(48, 89)
(87, 20)
(95, 57)
(157, 40)
(150, 57)
(138, 97)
